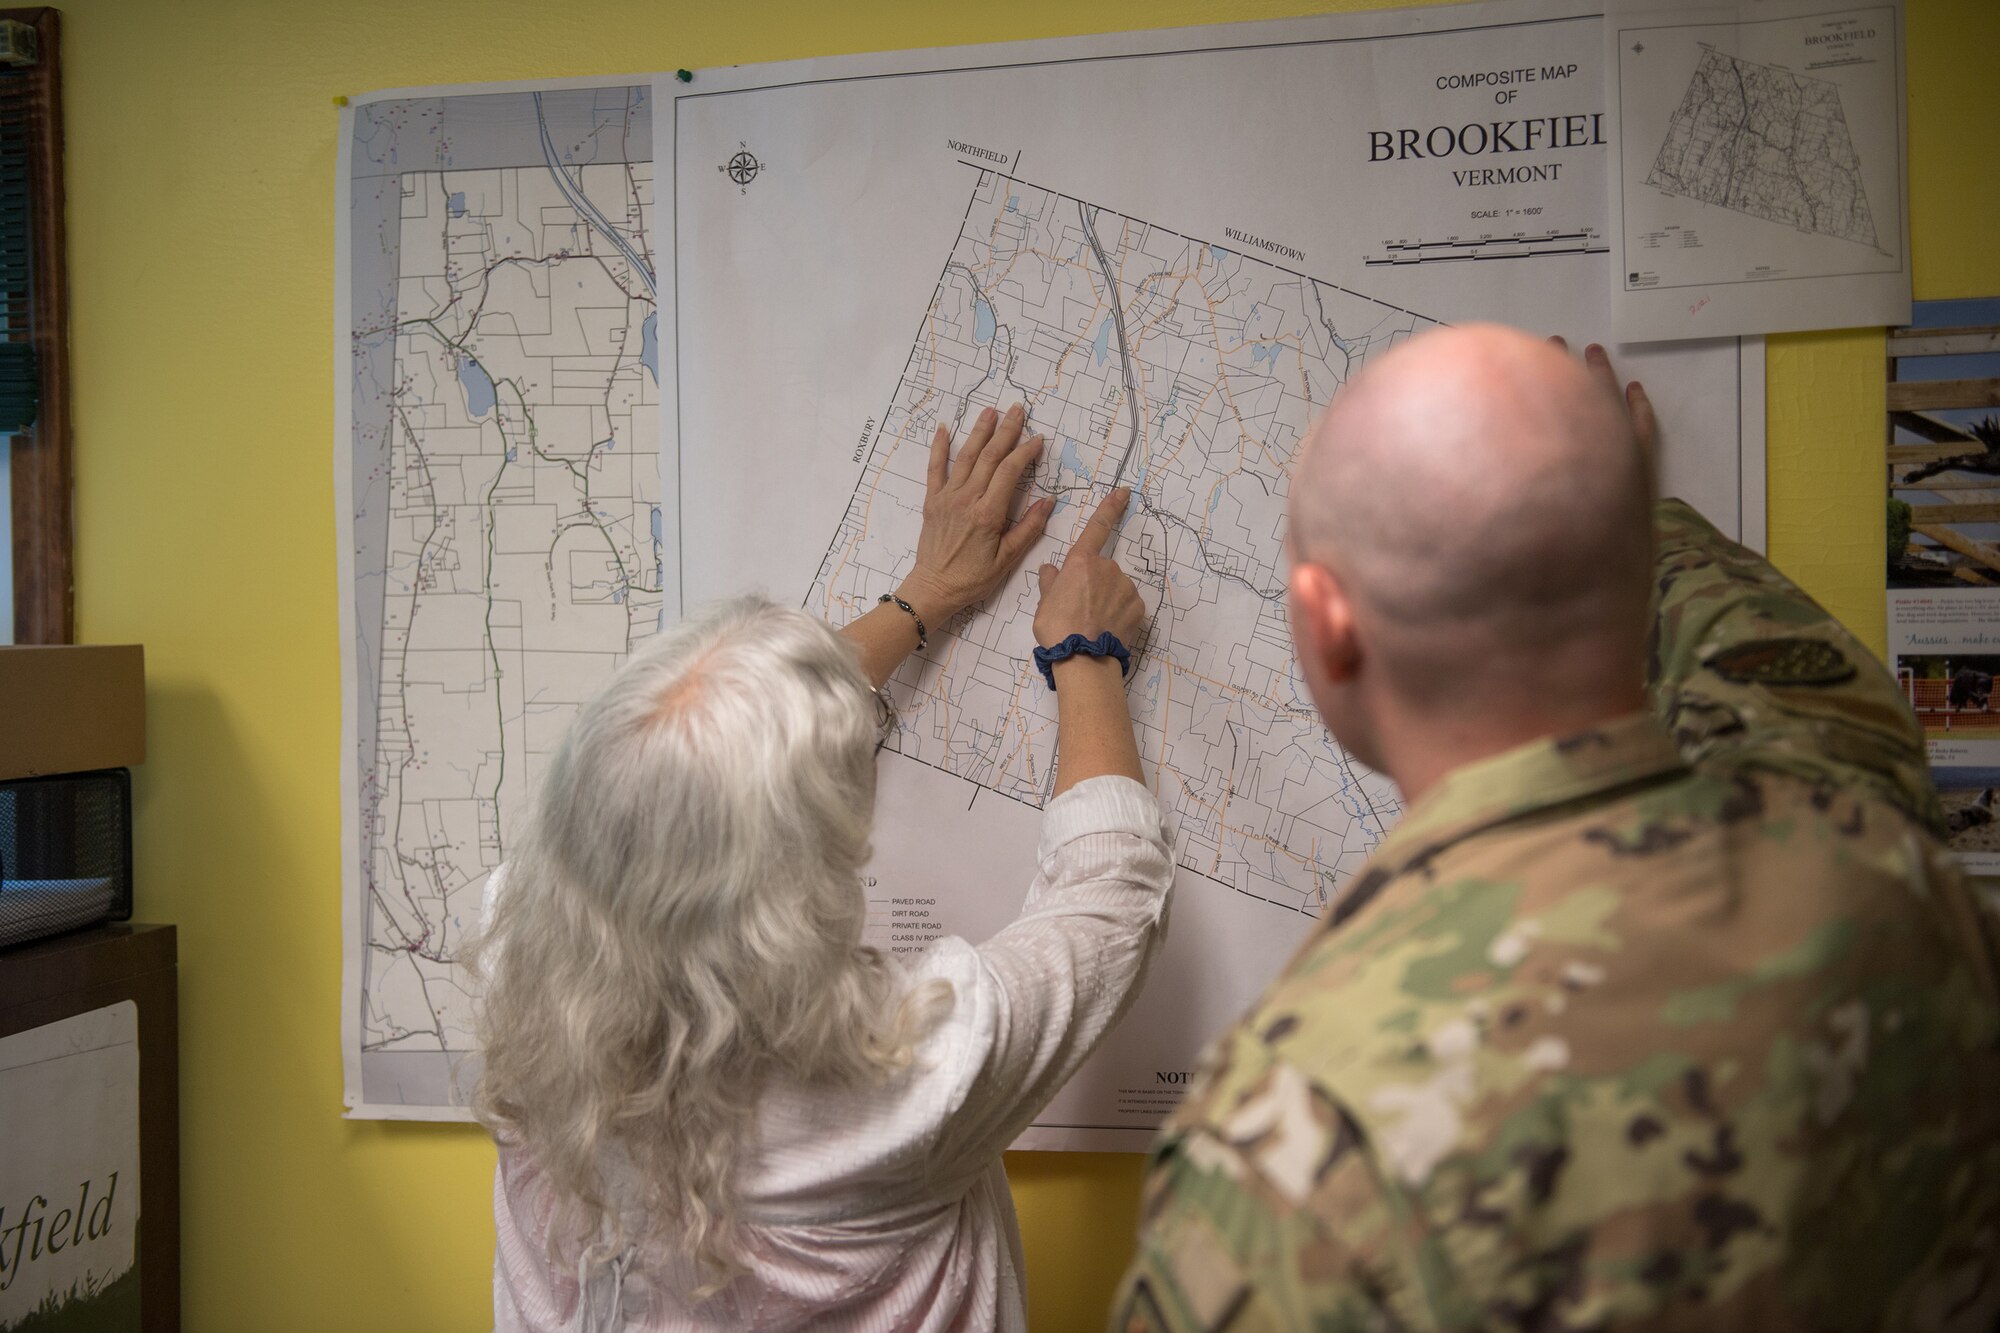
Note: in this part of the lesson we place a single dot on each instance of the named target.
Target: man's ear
(1323, 622)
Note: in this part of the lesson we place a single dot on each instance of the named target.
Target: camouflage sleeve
(1745, 667)
(1223, 1246)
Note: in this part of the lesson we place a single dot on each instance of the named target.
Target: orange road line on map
(1007, 724)
(943, 698)
(1222, 380)
(1139, 340)
(1075, 343)
(1132, 345)
(1146, 330)
(1227, 687)
(1222, 815)
(1199, 408)
(1007, 272)
(1025, 753)
(1028, 738)
(1003, 274)
(1091, 277)
(1249, 835)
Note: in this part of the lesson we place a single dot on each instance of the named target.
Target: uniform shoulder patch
(1782, 662)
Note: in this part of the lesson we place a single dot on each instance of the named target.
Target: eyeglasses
(886, 723)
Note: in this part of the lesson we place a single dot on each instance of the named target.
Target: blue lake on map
(982, 321)
(1072, 458)
(455, 205)
(1103, 344)
(649, 345)
(478, 386)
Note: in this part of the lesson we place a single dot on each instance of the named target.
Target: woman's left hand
(968, 545)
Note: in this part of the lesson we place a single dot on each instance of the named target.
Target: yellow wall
(201, 155)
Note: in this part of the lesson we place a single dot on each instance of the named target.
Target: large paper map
(505, 512)
(1162, 245)
(1077, 311)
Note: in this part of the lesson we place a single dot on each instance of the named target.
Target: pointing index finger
(1098, 530)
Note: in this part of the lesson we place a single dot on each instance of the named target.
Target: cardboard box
(71, 708)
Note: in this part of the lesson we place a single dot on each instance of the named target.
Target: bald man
(1663, 1007)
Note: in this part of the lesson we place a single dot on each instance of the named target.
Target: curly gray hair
(681, 920)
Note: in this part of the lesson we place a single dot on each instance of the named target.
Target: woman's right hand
(1090, 594)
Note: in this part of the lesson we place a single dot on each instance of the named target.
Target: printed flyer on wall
(1944, 556)
(1945, 645)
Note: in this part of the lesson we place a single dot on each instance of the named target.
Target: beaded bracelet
(1104, 645)
(923, 635)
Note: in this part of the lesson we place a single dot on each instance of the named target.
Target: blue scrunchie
(1104, 645)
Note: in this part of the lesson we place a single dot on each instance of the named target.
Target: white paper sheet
(1759, 175)
(855, 249)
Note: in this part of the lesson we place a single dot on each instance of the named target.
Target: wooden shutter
(31, 244)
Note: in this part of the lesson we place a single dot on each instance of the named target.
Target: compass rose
(742, 168)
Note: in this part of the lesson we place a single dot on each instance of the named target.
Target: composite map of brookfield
(1190, 373)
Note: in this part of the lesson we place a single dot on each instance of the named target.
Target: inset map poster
(69, 1174)
(1760, 177)
(498, 473)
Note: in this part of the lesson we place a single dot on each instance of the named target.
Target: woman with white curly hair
(715, 1106)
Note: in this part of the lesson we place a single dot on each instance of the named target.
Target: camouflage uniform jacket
(1684, 1022)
